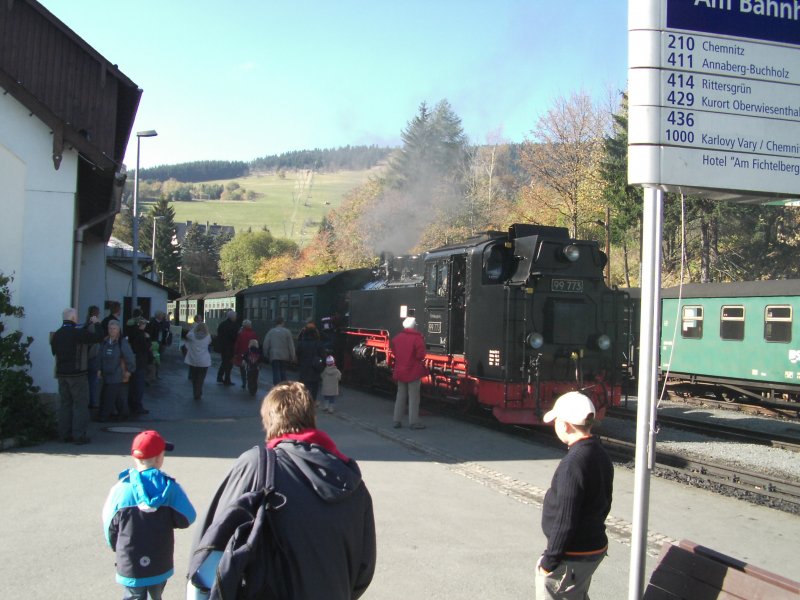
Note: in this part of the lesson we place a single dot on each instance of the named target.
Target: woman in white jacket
(198, 357)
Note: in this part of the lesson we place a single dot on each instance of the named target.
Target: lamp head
(147, 133)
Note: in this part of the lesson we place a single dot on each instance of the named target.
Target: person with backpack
(292, 519)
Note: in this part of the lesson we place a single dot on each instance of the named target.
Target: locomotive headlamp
(535, 340)
(572, 252)
(604, 342)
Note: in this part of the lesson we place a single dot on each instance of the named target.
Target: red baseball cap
(149, 444)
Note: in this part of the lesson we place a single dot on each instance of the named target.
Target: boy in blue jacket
(139, 516)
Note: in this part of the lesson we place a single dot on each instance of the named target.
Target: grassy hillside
(291, 207)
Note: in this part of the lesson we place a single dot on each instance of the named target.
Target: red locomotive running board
(513, 403)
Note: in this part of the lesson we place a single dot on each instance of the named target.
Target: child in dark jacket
(250, 363)
(139, 516)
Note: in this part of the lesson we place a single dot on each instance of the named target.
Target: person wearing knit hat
(330, 378)
(408, 348)
(576, 505)
(139, 516)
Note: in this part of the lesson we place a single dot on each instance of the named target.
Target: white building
(63, 133)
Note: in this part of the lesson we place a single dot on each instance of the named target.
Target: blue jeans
(278, 371)
(140, 593)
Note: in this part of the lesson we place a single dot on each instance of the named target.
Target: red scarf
(310, 436)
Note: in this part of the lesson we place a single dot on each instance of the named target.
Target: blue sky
(247, 78)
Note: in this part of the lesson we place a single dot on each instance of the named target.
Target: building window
(692, 322)
(778, 323)
(731, 323)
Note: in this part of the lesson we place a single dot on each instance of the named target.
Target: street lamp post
(180, 279)
(135, 260)
(153, 251)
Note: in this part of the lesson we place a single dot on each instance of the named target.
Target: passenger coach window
(294, 306)
(778, 324)
(731, 323)
(308, 306)
(692, 323)
(273, 310)
(283, 306)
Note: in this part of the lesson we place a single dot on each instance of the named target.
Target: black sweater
(70, 345)
(577, 503)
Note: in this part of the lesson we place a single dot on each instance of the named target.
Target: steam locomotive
(511, 320)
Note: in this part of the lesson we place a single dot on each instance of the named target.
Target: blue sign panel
(767, 20)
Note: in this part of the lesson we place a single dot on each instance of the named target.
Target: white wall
(37, 203)
(92, 287)
(118, 285)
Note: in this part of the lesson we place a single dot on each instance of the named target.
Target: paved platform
(457, 507)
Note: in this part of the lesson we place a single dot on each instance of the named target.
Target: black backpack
(251, 555)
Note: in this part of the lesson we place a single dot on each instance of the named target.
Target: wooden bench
(689, 571)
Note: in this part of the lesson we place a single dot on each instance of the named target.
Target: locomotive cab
(540, 322)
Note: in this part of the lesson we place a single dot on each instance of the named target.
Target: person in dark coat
(576, 505)
(114, 314)
(70, 345)
(94, 360)
(225, 344)
(408, 348)
(139, 340)
(310, 359)
(326, 528)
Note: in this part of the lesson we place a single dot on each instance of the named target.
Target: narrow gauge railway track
(753, 487)
(756, 488)
(738, 434)
(780, 410)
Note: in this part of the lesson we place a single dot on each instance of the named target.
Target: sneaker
(329, 410)
(417, 426)
(397, 425)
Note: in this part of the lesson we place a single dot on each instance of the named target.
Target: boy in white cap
(331, 376)
(576, 505)
(139, 516)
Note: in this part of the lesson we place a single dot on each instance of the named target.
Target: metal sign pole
(648, 379)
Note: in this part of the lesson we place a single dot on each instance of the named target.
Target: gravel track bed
(781, 464)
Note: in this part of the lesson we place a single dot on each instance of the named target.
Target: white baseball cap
(409, 323)
(572, 407)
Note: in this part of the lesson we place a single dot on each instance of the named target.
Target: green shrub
(22, 414)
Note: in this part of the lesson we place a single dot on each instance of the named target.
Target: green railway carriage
(736, 339)
(299, 300)
(216, 306)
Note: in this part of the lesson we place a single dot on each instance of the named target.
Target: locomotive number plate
(574, 286)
